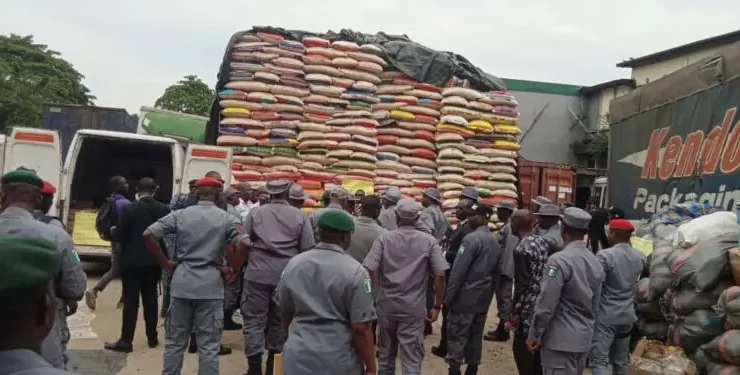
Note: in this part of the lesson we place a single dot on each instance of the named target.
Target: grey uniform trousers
(555, 362)
(205, 318)
(262, 325)
(465, 337)
(504, 297)
(54, 347)
(406, 333)
(232, 295)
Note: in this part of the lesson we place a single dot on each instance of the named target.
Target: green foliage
(31, 74)
(189, 95)
(596, 146)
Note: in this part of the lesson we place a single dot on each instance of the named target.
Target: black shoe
(454, 370)
(193, 347)
(224, 350)
(152, 343)
(439, 351)
(471, 370)
(231, 325)
(270, 363)
(119, 346)
(255, 365)
(499, 335)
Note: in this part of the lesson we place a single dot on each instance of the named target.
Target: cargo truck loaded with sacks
(326, 109)
(677, 139)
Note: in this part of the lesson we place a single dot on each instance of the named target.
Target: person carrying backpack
(105, 224)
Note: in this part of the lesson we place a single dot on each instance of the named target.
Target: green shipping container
(181, 126)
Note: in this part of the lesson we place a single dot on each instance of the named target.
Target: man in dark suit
(140, 273)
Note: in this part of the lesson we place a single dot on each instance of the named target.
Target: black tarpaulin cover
(412, 59)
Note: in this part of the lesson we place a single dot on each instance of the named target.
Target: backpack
(106, 219)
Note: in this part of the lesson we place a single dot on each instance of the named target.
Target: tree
(189, 95)
(135, 117)
(31, 74)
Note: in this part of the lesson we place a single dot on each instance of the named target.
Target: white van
(97, 155)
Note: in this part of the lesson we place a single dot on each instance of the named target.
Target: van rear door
(201, 159)
(39, 150)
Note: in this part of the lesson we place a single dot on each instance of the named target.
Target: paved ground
(90, 330)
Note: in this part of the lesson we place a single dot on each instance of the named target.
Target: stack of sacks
(701, 273)
(343, 78)
(723, 352)
(493, 165)
(651, 322)
(262, 106)
(408, 112)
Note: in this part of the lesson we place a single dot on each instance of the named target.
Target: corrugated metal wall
(550, 136)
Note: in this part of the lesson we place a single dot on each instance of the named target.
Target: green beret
(26, 263)
(22, 177)
(334, 220)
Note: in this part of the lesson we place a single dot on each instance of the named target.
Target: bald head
(522, 222)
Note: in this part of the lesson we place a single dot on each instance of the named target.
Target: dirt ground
(91, 329)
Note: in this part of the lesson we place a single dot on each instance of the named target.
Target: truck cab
(599, 191)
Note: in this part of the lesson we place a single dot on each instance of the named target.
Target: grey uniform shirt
(323, 291)
(508, 242)
(70, 283)
(472, 280)
(433, 221)
(622, 266)
(568, 301)
(553, 236)
(278, 232)
(387, 218)
(403, 260)
(366, 232)
(26, 362)
(202, 233)
(314, 218)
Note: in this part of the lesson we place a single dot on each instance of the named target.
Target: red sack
(290, 176)
(425, 135)
(310, 184)
(385, 139)
(247, 175)
(307, 174)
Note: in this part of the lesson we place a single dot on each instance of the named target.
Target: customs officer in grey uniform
(539, 202)
(338, 197)
(326, 305)
(548, 226)
(623, 265)
(470, 291)
(20, 192)
(505, 283)
(387, 218)
(278, 232)
(296, 196)
(401, 260)
(565, 311)
(28, 266)
(433, 221)
(198, 274)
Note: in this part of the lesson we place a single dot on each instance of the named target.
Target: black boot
(193, 347)
(454, 370)
(499, 335)
(440, 351)
(270, 364)
(229, 323)
(471, 370)
(255, 365)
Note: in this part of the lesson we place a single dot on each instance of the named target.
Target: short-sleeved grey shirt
(403, 259)
(323, 291)
(278, 232)
(201, 235)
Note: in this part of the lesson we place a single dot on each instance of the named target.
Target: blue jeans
(611, 345)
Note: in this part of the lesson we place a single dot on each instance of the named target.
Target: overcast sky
(131, 50)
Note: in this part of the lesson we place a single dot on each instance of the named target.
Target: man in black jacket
(454, 240)
(139, 271)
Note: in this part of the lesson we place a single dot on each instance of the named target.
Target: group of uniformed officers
(325, 288)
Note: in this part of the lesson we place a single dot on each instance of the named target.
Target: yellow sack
(402, 115)
(507, 145)
(235, 111)
(507, 129)
(481, 125)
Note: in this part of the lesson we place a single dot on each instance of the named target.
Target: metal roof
(670, 53)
